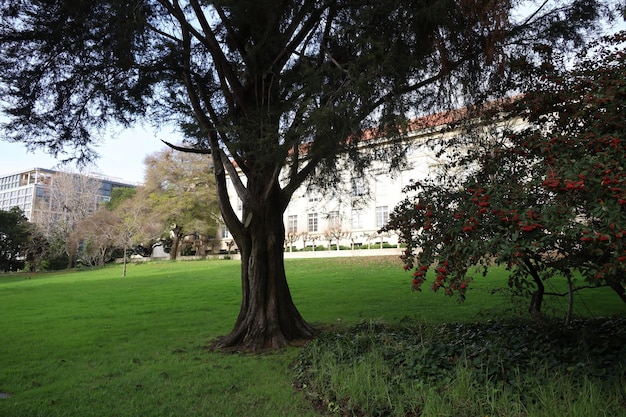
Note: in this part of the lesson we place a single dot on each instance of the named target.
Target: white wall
(357, 213)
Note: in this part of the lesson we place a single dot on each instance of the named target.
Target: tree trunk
(174, 249)
(570, 300)
(616, 284)
(125, 262)
(71, 258)
(268, 317)
(536, 299)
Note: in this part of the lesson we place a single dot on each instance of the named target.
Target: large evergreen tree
(277, 91)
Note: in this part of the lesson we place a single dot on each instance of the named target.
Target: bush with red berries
(543, 193)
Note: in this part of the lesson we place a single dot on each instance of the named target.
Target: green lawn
(92, 343)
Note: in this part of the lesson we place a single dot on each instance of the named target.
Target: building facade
(35, 191)
(351, 215)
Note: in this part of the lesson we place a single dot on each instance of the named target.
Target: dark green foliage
(15, 233)
(265, 76)
(55, 262)
(493, 349)
(37, 250)
(82, 71)
(119, 195)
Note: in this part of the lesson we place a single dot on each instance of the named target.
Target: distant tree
(180, 193)
(544, 195)
(136, 226)
(70, 198)
(119, 195)
(290, 239)
(37, 249)
(98, 236)
(277, 92)
(14, 236)
(335, 230)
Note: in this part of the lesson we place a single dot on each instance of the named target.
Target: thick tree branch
(234, 36)
(187, 150)
(213, 116)
(584, 287)
(233, 85)
(297, 39)
(235, 226)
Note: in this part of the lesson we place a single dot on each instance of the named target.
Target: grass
(91, 343)
(503, 368)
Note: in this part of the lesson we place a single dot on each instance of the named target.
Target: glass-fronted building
(30, 189)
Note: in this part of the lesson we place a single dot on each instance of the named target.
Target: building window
(357, 219)
(314, 198)
(382, 216)
(334, 220)
(312, 222)
(358, 188)
(292, 224)
(382, 184)
(225, 234)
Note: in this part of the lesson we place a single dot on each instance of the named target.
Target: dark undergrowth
(503, 368)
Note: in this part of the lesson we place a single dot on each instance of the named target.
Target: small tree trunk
(124, 271)
(174, 249)
(570, 300)
(616, 284)
(536, 299)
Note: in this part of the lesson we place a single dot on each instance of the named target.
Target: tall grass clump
(496, 368)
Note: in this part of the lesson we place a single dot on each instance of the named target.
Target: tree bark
(536, 299)
(175, 246)
(616, 284)
(125, 262)
(570, 300)
(71, 257)
(268, 317)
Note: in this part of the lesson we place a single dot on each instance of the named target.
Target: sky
(121, 155)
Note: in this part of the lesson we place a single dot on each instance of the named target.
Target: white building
(350, 217)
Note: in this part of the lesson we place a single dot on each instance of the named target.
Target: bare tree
(136, 224)
(290, 239)
(97, 235)
(68, 199)
(335, 230)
